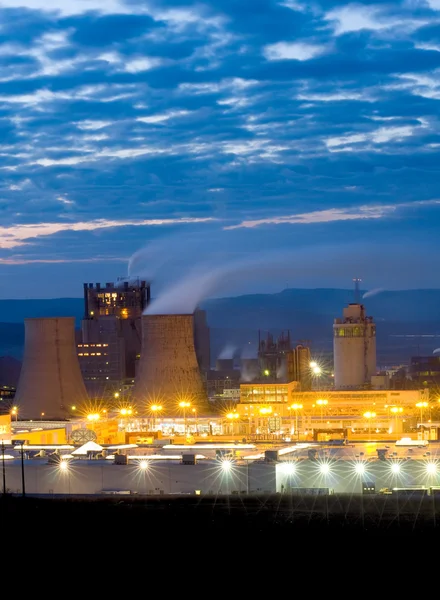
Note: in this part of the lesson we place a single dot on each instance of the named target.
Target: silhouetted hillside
(408, 321)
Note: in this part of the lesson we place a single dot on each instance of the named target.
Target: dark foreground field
(231, 517)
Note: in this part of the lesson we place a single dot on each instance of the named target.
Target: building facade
(354, 349)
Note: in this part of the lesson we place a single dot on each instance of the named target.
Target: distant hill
(408, 321)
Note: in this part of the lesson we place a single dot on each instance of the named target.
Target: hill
(408, 321)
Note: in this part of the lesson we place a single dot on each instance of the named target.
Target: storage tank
(168, 371)
(354, 348)
(50, 380)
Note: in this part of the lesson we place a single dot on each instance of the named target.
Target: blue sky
(299, 138)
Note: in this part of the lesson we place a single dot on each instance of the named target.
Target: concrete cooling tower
(168, 370)
(50, 379)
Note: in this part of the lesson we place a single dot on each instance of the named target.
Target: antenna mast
(357, 294)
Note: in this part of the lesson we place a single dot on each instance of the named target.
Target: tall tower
(50, 380)
(112, 316)
(354, 347)
(168, 370)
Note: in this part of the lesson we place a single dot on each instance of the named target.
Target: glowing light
(317, 370)
(156, 407)
(431, 468)
(396, 409)
(422, 404)
(64, 466)
(184, 404)
(313, 364)
(288, 468)
(369, 415)
(226, 465)
(395, 468)
(296, 406)
(265, 411)
(232, 415)
(93, 417)
(324, 468)
(143, 464)
(359, 468)
(321, 402)
(266, 372)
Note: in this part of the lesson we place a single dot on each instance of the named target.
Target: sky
(301, 139)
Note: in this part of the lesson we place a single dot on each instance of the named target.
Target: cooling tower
(50, 380)
(168, 371)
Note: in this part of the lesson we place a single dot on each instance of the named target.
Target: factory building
(272, 356)
(354, 349)
(298, 367)
(50, 380)
(425, 370)
(168, 370)
(112, 316)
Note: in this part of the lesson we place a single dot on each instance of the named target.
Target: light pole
(369, 415)
(296, 408)
(396, 410)
(321, 402)
(21, 443)
(194, 410)
(232, 416)
(184, 405)
(155, 408)
(421, 405)
(3, 468)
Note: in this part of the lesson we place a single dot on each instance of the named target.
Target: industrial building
(168, 371)
(50, 380)
(298, 367)
(303, 469)
(425, 370)
(272, 356)
(112, 316)
(354, 349)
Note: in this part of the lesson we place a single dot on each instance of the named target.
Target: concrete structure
(298, 367)
(168, 370)
(354, 349)
(202, 340)
(112, 316)
(50, 381)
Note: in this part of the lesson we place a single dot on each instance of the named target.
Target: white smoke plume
(227, 352)
(373, 292)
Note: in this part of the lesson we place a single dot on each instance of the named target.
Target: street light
(369, 415)
(155, 408)
(321, 402)
(296, 408)
(396, 410)
(232, 416)
(14, 412)
(421, 405)
(184, 405)
(3, 468)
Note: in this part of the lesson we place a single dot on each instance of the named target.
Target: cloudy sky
(157, 137)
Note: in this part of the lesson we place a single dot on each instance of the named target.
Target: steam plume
(373, 292)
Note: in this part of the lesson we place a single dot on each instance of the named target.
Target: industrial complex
(130, 404)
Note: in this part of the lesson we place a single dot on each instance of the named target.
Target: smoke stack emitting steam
(168, 369)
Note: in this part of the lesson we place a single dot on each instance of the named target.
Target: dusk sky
(299, 138)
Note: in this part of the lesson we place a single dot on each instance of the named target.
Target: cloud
(293, 51)
(160, 118)
(17, 235)
(357, 17)
(76, 7)
(334, 214)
